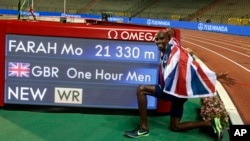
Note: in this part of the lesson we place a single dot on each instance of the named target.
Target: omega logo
(131, 35)
(112, 34)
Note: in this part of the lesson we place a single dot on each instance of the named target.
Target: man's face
(161, 40)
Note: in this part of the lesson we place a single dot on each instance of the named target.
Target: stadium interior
(215, 11)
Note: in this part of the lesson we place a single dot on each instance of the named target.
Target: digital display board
(80, 72)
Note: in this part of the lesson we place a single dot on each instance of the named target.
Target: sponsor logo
(200, 26)
(112, 34)
(149, 21)
(210, 27)
(24, 13)
(68, 95)
(131, 35)
(158, 22)
(117, 19)
(141, 133)
(70, 15)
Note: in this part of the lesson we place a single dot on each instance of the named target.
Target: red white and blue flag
(185, 78)
(17, 69)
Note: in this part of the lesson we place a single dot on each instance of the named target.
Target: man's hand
(188, 50)
(223, 78)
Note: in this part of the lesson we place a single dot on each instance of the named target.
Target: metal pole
(32, 4)
(64, 7)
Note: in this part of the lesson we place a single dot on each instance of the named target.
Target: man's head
(162, 38)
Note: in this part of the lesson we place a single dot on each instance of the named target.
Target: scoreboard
(78, 65)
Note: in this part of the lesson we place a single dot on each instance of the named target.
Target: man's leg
(141, 93)
(176, 125)
(177, 109)
(143, 129)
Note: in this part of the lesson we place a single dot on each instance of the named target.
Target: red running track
(225, 53)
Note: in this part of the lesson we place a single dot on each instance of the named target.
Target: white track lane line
(219, 55)
(227, 43)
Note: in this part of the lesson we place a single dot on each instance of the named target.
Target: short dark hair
(168, 31)
(162, 31)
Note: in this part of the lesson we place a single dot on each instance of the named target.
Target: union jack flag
(17, 69)
(184, 77)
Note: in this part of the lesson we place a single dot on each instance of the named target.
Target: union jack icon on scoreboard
(17, 69)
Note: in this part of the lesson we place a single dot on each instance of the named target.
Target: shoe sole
(131, 136)
(220, 136)
(217, 130)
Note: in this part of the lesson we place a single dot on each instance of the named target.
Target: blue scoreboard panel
(78, 72)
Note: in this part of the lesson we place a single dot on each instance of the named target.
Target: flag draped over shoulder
(184, 77)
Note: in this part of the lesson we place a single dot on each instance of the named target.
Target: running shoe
(136, 133)
(218, 129)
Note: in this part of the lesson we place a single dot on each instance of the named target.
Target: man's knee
(141, 88)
